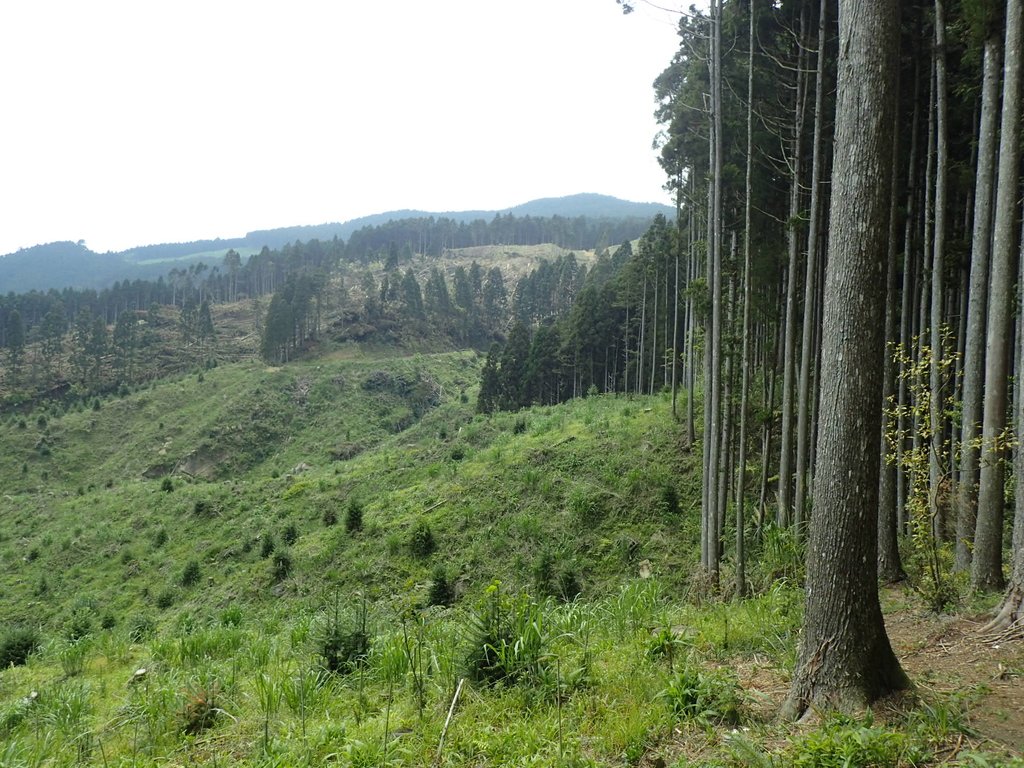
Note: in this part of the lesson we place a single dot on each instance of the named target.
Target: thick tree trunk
(1011, 613)
(987, 568)
(977, 304)
(845, 659)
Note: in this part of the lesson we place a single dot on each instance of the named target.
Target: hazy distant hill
(588, 205)
(69, 264)
(22, 270)
(591, 206)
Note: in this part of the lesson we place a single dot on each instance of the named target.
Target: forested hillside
(871, 330)
(839, 197)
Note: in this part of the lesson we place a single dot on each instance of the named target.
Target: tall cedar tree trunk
(803, 421)
(890, 568)
(640, 357)
(958, 309)
(977, 304)
(654, 331)
(845, 659)
(935, 455)
(741, 485)
(667, 364)
(987, 568)
(924, 282)
(907, 306)
(816, 374)
(785, 513)
(771, 384)
(706, 485)
(691, 374)
(625, 347)
(675, 298)
(714, 411)
(728, 432)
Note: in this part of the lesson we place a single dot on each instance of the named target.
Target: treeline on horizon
(610, 329)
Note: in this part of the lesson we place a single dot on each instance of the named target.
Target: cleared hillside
(339, 562)
(251, 451)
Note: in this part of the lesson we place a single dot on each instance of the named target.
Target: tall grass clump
(507, 638)
(703, 696)
(843, 742)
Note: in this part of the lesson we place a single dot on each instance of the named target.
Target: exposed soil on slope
(951, 654)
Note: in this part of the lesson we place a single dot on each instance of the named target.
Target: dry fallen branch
(451, 711)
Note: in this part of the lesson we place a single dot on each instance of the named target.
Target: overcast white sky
(127, 123)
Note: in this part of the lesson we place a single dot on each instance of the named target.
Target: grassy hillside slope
(339, 562)
(212, 466)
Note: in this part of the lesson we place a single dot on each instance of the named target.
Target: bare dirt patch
(952, 655)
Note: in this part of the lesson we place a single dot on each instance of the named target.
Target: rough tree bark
(845, 659)
(1011, 613)
(987, 568)
(977, 303)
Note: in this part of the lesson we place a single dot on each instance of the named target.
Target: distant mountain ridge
(572, 206)
(66, 264)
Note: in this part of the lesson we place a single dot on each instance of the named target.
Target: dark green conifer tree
(512, 373)
(412, 296)
(490, 384)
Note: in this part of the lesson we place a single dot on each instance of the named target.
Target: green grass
(582, 683)
(93, 527)
(239, 587)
